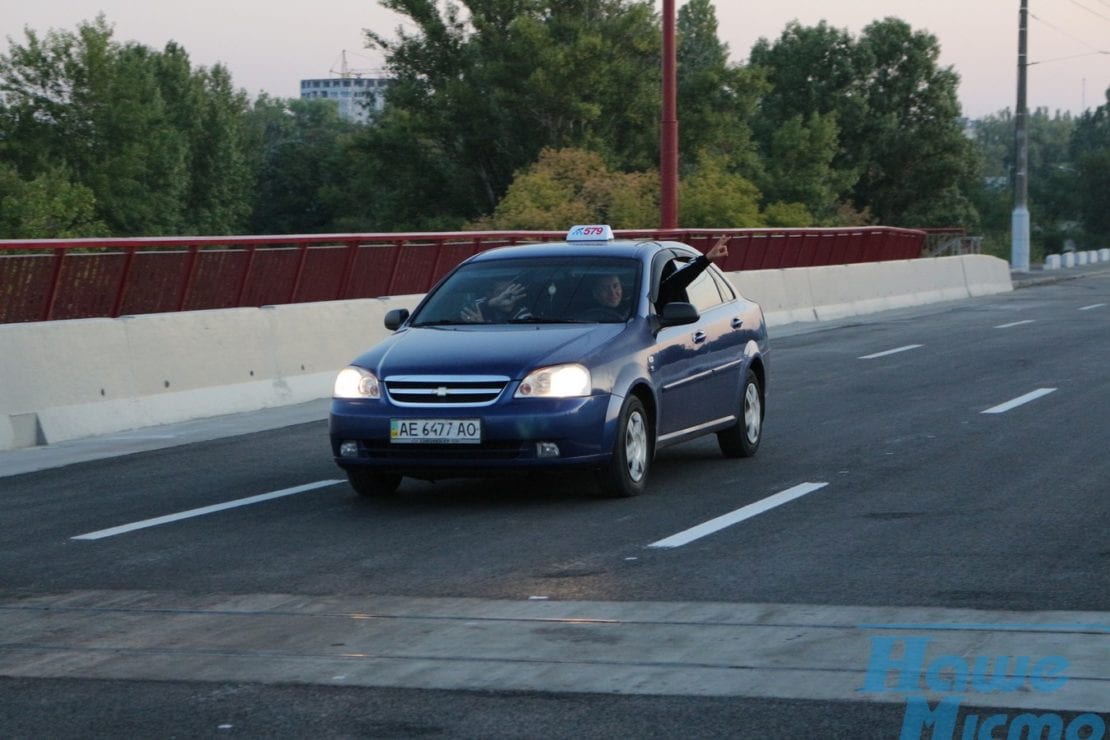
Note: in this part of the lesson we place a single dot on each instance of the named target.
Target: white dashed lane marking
(144, 524)
(1019, 401)
(735, 517)
(894, 351)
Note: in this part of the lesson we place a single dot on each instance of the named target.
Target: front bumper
(582, 428)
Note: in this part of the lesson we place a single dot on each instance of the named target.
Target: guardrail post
(246, 275)
(300, 272)
(348, 272)
(393, 268)
(432, 276)
(187, 283)
(55, 277)
(121, 289)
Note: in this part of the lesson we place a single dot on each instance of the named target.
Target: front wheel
(373, 485)
(742, 440)
(627, 471)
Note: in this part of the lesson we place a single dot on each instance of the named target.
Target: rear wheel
(372, 484)
(626, 474)
(742, 440)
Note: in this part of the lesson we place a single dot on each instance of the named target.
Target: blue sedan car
(589, 353)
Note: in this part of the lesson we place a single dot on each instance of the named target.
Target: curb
(1039, 277)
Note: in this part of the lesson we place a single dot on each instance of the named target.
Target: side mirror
(677, 314)
(396, 317)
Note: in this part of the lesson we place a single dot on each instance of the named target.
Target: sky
(270, 45)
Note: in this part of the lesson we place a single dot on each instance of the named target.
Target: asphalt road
(959, 476)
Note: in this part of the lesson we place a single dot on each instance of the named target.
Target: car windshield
(535, 290)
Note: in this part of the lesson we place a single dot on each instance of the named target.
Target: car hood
(502, 350)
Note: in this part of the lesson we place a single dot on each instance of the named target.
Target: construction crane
(345, 71)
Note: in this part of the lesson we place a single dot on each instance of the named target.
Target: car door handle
(699, 337)
(737, 322)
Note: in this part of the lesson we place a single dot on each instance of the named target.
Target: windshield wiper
(445, 322)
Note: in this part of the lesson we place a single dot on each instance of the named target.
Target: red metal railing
(46, 279)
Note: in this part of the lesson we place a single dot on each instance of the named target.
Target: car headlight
(354, 382)
(558, 381)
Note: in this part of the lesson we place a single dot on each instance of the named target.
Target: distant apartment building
(358, 98)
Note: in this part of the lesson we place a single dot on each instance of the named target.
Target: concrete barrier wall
(62, 380)
(70, 379)
(840, 291)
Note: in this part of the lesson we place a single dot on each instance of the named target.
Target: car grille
(445, 391)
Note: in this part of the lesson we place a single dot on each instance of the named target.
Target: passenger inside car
(503, 301)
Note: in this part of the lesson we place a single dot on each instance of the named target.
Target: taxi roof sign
(590, 233)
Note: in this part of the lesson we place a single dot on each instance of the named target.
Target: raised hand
(719, 250)
(507, 296)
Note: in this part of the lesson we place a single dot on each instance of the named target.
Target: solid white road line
(891, 351)
(1092, 306)
(123, 528)
(734, 517)
(1020, 400)
(1014, 323)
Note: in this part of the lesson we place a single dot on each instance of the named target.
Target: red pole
(668, 145)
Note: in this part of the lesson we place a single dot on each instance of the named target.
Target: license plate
(435, 431)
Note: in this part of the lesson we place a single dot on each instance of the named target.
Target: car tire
(372, 484)
(742, 440)
(627, 471)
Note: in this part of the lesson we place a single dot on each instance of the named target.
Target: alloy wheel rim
(753, 415)
(635, 446)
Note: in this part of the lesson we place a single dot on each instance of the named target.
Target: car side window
(723, 285)
(703, 292)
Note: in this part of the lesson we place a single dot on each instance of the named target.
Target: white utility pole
(1019, 254)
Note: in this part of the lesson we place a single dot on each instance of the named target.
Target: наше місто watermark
(904, 666)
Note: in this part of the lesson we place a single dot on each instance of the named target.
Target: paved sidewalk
(59, 454)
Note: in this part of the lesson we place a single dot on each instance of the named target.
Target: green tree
(800, 165)
(133, 159)
(47, 207)
(1090, 152)
(1052, 183)
(814, 70)
(716, 99)
(711, 196)
(219, 197)
(920, 166)
(158, 144)
(477, 95)
(786, 215)
(300, 149)
(81, 102)
(901, 153)
(569, 186)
